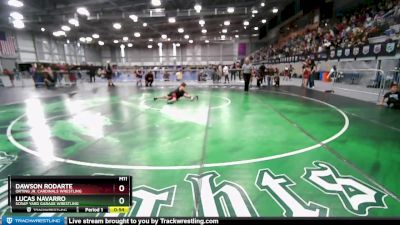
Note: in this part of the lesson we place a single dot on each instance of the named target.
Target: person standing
(270, 74)
(277, 78)
(109, 73)
(286, 73)
(247, 69)
(225, 70)
(79, 73)
(291, 69)
(262, 73)
(139, 76)
(48, 77)
(313, 68)
(179, 75)
(233, 72)
(92, 74)
(219, 73)
(238, 70)
(306, 75)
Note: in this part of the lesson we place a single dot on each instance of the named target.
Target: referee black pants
(246, 81)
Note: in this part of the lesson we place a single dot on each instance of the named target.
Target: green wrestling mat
(269, 153)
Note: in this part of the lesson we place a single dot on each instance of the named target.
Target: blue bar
(26, 220)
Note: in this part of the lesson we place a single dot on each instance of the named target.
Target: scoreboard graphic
(86, 194)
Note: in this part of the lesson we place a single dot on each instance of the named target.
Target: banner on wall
(370, 50)
(242, 47)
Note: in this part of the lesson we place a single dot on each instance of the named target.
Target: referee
(247, 68)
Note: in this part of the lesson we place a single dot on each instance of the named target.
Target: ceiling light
(65, 28)
(156, 2)
(122, 46)
(197, 7)
(207, 41)
(144, 24)
(59, 33)
(125, 38)
(181, 30)
(136, 34)
(67, 41)
(202, 22)
(254, 11)
(231, 10)
(74, 22)
(95, 36)
(224, 31)
(245, 28)
(262, 4)
(164, 36)
(222, 37)
(263, 21)
(236, 36)
(82, 39)
(169, 39)
(130, 45)
(255, 28)
(117, 26)
(186, 36)
(246, 23)
(177, 44)
(134, 18)
(17, 16)
(275, 10)
(227, 23)
(190, 41)
(151, 39)
(203, 31)
(88, 39)
(149, 46)
(171, 20)
(253, 15)
(101, 43)
(115, 41)
(15, 3)
(159, 44)
(82, 11)
(18, 24)
(43, 29)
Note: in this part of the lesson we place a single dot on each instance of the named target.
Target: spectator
(92, 74)
(179, 75)
(306, 75)
(225, 71)
(262, 72)
(49, 80)
(354, 29)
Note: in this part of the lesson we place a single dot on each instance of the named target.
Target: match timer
(89, 194)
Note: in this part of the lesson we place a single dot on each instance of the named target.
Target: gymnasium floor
(271, 153)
